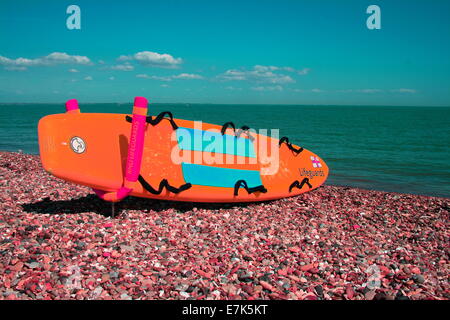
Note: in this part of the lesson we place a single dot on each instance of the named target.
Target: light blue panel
(218, 177)
(200, 140)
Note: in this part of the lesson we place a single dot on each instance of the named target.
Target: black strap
(243, 129)
(299, 185)
(242, 183)
(158, 119)
(226, 125)
(163, 184)
(286, 141)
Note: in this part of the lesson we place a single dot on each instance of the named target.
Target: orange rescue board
(91, 149)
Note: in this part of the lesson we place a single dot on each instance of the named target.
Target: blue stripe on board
(218, 177)
(200, 140)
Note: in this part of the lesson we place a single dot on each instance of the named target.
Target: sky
(271, 52)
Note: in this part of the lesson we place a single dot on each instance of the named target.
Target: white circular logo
(78, 145)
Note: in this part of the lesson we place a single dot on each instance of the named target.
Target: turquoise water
(402, 149)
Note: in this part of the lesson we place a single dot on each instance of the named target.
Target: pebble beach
(59, 241)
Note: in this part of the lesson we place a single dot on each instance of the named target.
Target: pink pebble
(154, 250)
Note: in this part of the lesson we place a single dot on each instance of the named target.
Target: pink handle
(136, 145)
(72, 106)
(135, 151)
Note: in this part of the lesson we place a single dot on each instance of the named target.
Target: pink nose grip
(72, 106)
(140, 102)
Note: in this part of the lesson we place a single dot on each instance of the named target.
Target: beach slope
(58, 241)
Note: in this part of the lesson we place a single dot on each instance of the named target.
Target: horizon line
(248, 104)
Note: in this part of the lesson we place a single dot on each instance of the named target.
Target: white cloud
(188, 76)
(153, 59)
(404, 90)
(165, 85)
(73, 70)
(265, 68)
(258, 74)
(233, 88)
(62, 57)
(360, 90)
(123, 67)
(369, 90)
(145, 76)
(272, 68)
(49, 60)
(372, 90)
(124, 58)
(112, 78)
(89, 78)
(316, 90)
(161, 78)
(304, 71)
(182, 76)
(15, 68)
(269, 88)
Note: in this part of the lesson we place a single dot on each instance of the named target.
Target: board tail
(134, 155)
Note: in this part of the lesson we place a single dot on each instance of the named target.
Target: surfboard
(162, 157)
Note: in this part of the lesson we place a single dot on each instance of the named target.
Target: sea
(389, 148)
